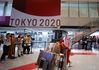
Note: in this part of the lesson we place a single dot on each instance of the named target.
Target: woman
(27, 43)
(20, 48)
(65, 50)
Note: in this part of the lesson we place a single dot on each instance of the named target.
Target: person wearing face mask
(27, 43)
(7, 44)
(20, 48)
(11, 52)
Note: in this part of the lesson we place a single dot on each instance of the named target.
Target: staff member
(27, 43)
(7, 44)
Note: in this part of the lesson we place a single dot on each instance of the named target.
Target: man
(7, 44)
(11, 51)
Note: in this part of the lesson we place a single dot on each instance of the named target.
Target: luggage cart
(45, 60)
(62, 62)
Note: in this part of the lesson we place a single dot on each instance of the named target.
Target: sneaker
(21, 54)
(2, 59)
(31, 52)
(18, 55)
(12, 57)
(69, 65)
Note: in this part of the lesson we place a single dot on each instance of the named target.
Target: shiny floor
(79, 62)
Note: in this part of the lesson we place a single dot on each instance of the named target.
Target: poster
(35, 13)
(4, 21)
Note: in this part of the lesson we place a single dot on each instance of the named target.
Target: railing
(40, 44)
(91, 27)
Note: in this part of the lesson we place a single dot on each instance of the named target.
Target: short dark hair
(8, 34)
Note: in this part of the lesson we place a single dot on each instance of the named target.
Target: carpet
(31, 66)
(84, 53)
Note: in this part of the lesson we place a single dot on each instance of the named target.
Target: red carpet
(84, 53)
(33, 66)
(25, 67)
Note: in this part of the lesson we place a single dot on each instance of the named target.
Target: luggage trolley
(62, 62)
(45, 60)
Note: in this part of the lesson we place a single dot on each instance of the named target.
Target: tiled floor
(85, 62)
(79, 62)
(23, 60)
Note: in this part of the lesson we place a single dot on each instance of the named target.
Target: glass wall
(64, 9)
(98, 8)
(5, 8)
(73, 9)
(84, 9)
(93, 10)
(1, 8)
(8, 9)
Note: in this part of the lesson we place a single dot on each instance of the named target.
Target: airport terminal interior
(23, 47)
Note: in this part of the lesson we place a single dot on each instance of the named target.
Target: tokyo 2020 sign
(36, 13)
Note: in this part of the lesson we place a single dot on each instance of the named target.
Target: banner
(4, 21)
(35, 13)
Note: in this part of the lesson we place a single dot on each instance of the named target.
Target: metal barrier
(63, 58)
(39, 44)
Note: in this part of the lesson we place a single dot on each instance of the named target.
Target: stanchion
(44, 45)
(65, 61)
